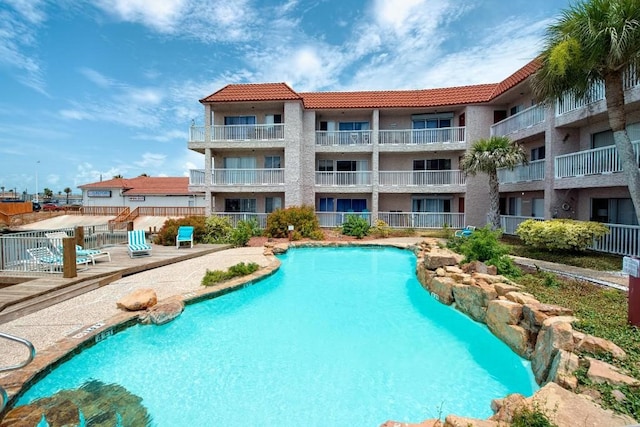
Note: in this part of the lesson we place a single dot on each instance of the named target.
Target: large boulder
(601, 372)
(442, 287)
(535, 313)
(473, 299)
(140, 299)
(595, 345)
(521, 297)
(456, 421)
(440, 258)
(163, 312)
(563, 368)
(556, 334)
(502, 319)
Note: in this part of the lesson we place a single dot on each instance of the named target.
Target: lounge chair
(465, 232)
(185, 234)
(56, 241)
(137, 245)
(52, 262)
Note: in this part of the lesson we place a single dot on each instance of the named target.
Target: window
(272, 204)
(325, 165)
(422, 122)
(239, 170)
(613, 211)
(351, 205)
(239, 127)
(326, 204)
(272, 162)
(270, 119)
(537, 208)
(515, 109)
(605, 138)
(353, 126)
(424, 204)
(537, 153)
(422, 178)
(240, 205)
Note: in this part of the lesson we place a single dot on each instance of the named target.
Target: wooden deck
(29, 294)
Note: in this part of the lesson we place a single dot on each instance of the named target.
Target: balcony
(235, 177)
(522, 120)
(534, 171)
(343, 179)
(421, 178)
(270, 132)
(451, 135)
(343, 137)
(598, 161)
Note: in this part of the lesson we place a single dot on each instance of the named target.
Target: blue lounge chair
(465, 232)
(47, 260)
(185, 234)
(56, 241)
(137, 245)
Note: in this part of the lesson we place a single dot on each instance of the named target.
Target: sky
(90, 89)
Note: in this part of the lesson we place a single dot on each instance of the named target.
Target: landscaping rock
(140, 299)
(562, 369)
(456, 421)
(425, 423)
(595, 345)
(601, 372)
(440, 258)
(556, 334)
(521, 297)
(162, 313)
(473, 300)
(479, 267)
(535, 313)
(443, 288)
(504, 288)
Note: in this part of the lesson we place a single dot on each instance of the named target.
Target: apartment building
(395, 155)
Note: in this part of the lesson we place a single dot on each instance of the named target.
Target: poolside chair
(137, 245)
(56, 241)
(185, 234)
(43, 257)
(465, 232)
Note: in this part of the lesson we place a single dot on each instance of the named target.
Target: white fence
(263, 132)
(422, 178)
(423, 219)
(333, 179)
(534, 171)
(343, 137)
(592, 162)
(522, 120)
(235, 217)
(423, 136)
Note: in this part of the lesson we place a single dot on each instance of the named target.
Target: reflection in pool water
(338, 336)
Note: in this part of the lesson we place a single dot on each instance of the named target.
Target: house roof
(144, 185)
(374, 99)
(253, 92)
(399, 98)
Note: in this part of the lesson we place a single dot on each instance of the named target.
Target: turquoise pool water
(342, 337)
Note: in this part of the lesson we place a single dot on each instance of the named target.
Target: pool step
(36, 303)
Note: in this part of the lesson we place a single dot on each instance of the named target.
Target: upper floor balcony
(598, 161)
(448, 135)
(343, 137)
(268, 132)
(523, 120)
(236, 177)
(422, 178)
(534, 171)
(343, 179)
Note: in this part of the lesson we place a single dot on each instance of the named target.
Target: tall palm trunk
(614, 93)
(494, 200)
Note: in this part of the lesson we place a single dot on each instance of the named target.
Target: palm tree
(488, 155)
(592, 42)
(67, 191)
(117, 176)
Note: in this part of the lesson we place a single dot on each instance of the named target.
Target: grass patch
(588, 259)
(212, 277)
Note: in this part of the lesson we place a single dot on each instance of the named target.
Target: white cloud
(153, 160)
(96, 77)
(162, 16)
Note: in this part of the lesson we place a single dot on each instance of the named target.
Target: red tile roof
(253, 92)
(373, 99)
(399, 98)
(145, 185)
(517, 77)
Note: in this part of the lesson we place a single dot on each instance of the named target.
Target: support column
(375, 165)
(207, 181)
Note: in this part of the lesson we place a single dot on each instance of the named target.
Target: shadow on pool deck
(34, 293)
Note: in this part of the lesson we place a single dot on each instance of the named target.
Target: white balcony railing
(597, 161)
(570, 102)
(422, 219)
(343, 137)
(534, 171)
(420, 178)
(268, 132)
(509, 223)
(336, 219)
(238, 177)
(522, 120)
(335, 179)
(423, 136)
(235, 217)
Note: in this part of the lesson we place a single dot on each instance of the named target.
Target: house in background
(142, 191)
(395, 155)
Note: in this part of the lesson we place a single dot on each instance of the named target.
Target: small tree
(67, 191)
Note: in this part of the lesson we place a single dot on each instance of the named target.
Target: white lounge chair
(185, 234)
(138, 244)
(56, 241)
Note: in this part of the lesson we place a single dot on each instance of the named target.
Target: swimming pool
(337, 336)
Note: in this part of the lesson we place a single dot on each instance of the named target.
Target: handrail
(4, 398)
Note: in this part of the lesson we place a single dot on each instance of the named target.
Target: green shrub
(560, 234)
(483, 245)
(167, 234)
(316, 235)
(218, 229)
(355, 226)
(212, 277)
(303, 219)
(528, 417)
(380, 229)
